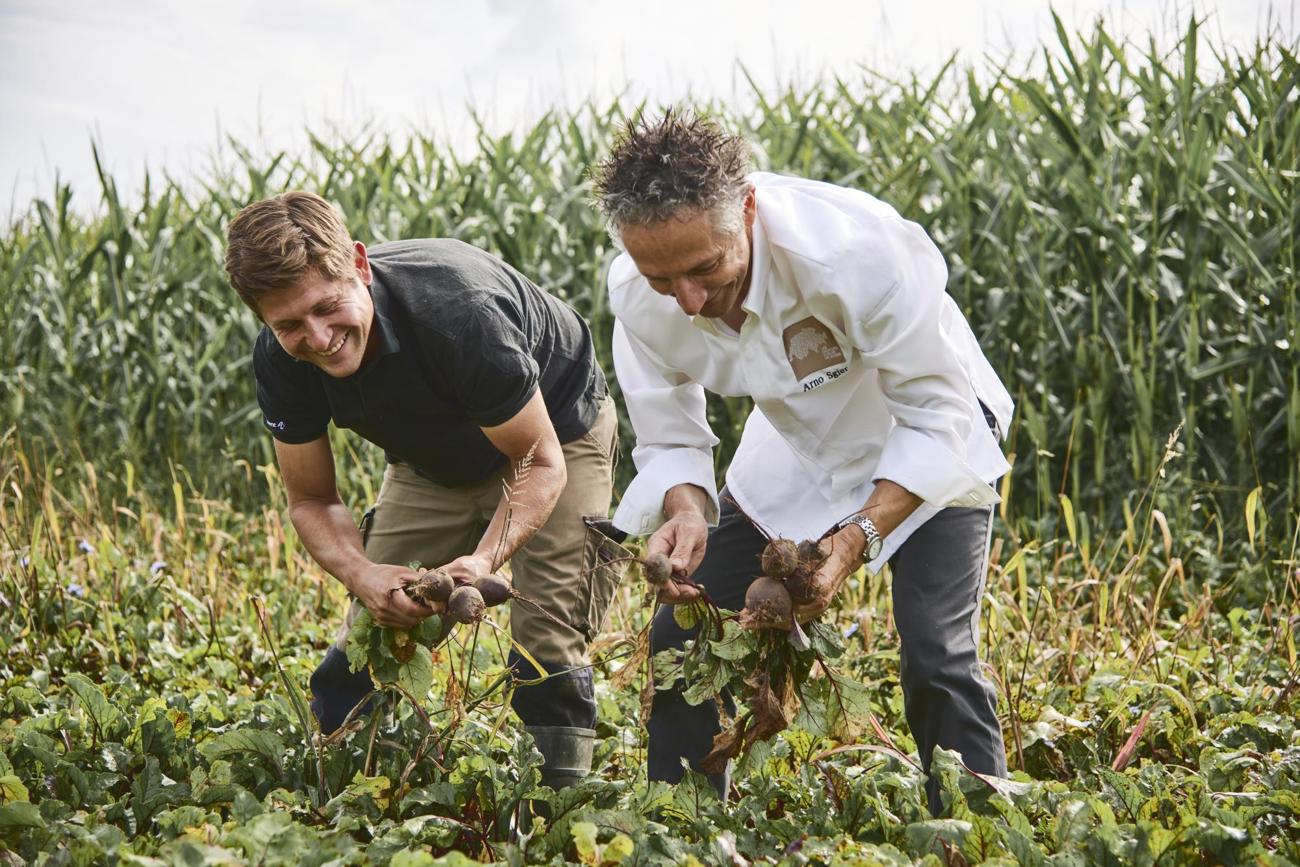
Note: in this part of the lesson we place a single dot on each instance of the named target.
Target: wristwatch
(874, 540)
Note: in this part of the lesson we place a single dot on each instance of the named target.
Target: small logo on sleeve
(274, 425)
(814, 356)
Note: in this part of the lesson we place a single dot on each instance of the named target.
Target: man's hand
(887, 506)
(843, 553)
(468, 569)
(379, 587)
(682, 539)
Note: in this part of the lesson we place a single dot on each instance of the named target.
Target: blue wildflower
(157, 566)
(86, 547)
(76, 589)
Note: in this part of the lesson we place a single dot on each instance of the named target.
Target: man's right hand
(379, 587)
(682, 539)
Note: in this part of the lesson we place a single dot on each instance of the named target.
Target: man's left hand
(843, 553)
(468, 569)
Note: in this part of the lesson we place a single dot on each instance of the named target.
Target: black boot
(336, 689)
(566, 753)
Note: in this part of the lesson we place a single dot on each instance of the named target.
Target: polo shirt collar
(383, 325)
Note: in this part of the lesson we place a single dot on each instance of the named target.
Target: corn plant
(1119, 226)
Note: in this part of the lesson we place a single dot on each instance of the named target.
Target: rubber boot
(566, 753)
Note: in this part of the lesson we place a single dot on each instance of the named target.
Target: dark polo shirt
(464, 341)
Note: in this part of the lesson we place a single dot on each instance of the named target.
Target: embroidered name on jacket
(814, 356)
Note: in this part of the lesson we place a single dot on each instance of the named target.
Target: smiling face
(323, 321)
(705, 269)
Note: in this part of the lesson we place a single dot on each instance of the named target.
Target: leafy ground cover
(155, 667)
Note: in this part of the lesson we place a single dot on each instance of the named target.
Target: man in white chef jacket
(875, 423)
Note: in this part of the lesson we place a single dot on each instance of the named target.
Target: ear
(362, 263)
(750, 205)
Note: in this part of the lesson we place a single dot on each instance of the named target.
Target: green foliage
(396, 656)
(144, 718)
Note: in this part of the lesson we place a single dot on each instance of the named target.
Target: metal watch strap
(874, 541)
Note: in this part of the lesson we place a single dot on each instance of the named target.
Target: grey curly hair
(669, 167)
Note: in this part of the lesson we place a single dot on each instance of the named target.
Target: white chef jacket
(860, 365)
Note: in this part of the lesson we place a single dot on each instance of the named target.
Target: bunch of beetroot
(788, 579)
(466, 602)
(771, 691)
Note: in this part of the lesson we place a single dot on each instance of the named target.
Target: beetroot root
(810, 553)
(767, 605)
(432, 586)
(494, 589)
(780, 558)
(802, 584)
(658, 569)
(466, 605)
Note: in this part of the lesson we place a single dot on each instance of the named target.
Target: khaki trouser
(415, 520)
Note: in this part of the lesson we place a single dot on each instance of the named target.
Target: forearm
(330, 535)
(522, 511)
(685, 498)
(889, 505)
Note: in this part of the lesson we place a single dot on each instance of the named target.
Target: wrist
(351, 582)
(684, 500)
(687, 515)
(872, 539)
(854, 539)
(353, 574)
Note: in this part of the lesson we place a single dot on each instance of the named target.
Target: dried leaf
(726, 746)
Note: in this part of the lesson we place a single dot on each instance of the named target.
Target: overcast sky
(157, 82)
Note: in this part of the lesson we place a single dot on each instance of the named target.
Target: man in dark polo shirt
(460, 369)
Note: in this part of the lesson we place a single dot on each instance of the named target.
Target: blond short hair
(272, 244)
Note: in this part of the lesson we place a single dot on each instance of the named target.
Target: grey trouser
(415, 520)
(938, 580)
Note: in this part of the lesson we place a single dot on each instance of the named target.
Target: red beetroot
(658, 569)
(432, 586)
(465, 605)
(494, 589)
(780, 558)
(767, 605)
(810, 553)
(801, 584)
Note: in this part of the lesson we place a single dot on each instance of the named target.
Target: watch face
(873, 548)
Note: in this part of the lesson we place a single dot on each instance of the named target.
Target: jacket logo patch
(814, 355)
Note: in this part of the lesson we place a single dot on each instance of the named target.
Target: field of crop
(1120, 227)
